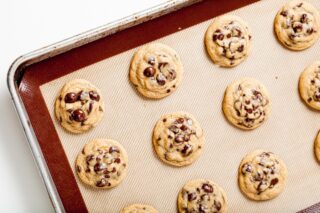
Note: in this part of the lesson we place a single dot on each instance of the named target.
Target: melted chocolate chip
(304, 18)
(180, 120)
(184, 128)
(192, 196)
(186, 138)
(274, 182)
(149, 72)
(97, 167)
(94, 96)
(78, 115)
(284, 13)
(114, 149)
(117, 160)
(71, 97)
(90, 107)
(179, 139)
(217, 204)
(229, 35)
(310, 31)
(214, 37)
(202, 209)
(88, 170)
(240, 49)
(162, 65)
(164, 120)
(78, 169)
(207, 188)
(297, 28)
(89, 158)
(101, 183)
(113, 170)
(220, 37)
(168, 90)
(187, 150)
(309, 100)
(160, 79)
(174, 129)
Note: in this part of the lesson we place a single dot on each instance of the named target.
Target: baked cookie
(317, 147)
(156, 70)
(178, 139)
(246, 103)
(139, 208)
(102, 163)
(202, 196)
(228, 41)
(262, 175)
(79, 107)
(297, 25)
(309, 85)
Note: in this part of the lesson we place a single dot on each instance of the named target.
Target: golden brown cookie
(262, 175)
(297, 25)
(102, 163)
(202, 196)
(309, 85)
(228, 40)
(246, 103)
(79, 107)
(156, 70)
(178, 139)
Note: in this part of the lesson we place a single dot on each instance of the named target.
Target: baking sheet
(129, 119)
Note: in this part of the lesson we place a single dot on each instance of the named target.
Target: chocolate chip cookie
(262, 175)
(228, 41)
(246, 103)
(79, 107)
(178, 139)
(156, 70)
(202, 196)
(102, 163)
(317, 147)
(139, 208)
(297, 25)
(309, 85)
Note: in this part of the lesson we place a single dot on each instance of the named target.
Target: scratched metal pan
(28, 72)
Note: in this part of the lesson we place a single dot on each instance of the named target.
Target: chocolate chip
(172, 75)
(240, 33)
(160, 79)
(174, 129)
(207, 187)
(259, 187)
(217, 204)
(151, 60)
(284, 13)
(94, 96)
(114, 149)
(249, 110)
(297, 28)
(162, 65)
(229, 35)
(202, 209)
(299, 5)
(88, 170)
(149, 72)
(71, 97)
(164, 120)
(218, 31)
(100, 109)
(89, 158)
(78, 169)
(220, 37)
(310, 31)
(214, 37)
(184, 128)
(186, 138)
(113, 170)
(90, 107)
(78, 115)
(180, 120)
(107, 176)
(309, 99)
(117, 160)
(169, 136)
(179, 139)
(97, 167)
(192, 196)
(168, 90)
(187, 150)
(240, 49)
(101, 183)
(247, 102)
(303, 18)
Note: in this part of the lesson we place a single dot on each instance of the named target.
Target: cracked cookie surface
(262, 175)
(309, 85)
(79, 107)
(202, 196)
(156, 70)
(102, 163)
(139, 208)
(178, 139)
(228, 40)
(297, 25)
(246, 103)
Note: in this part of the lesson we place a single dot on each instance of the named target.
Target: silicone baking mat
(130, 118)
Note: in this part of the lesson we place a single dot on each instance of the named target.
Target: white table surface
(26, 26)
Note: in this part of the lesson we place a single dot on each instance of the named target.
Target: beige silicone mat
(129, 118)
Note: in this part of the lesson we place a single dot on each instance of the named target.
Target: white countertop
(26, 26)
